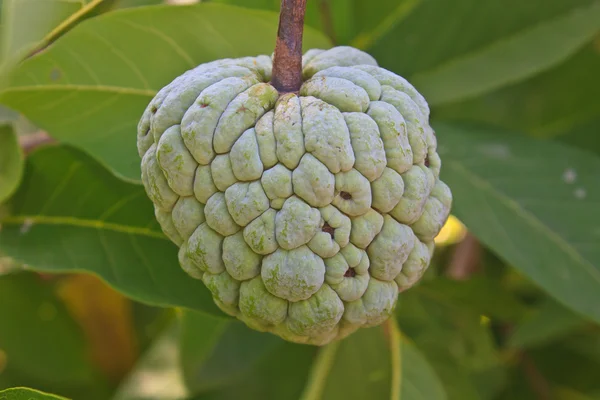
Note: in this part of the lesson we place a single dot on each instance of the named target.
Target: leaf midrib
(80, 223)
(533, 221)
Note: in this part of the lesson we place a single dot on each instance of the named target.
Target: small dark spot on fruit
(350, 273)
(203, 105)
(153, 110)
(328, 228)
(427, 161)
(345, 195)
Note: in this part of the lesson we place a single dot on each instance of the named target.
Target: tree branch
(287, 61)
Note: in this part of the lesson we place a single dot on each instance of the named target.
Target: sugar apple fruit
(303, 214)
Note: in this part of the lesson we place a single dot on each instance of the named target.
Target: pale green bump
(367, 145)
(187, 264)
(340, 56)
(222, 172)
(317, 315)
(392, 129)
(287, 128)
(224, 289)
(352, 275)
(326, 135)
(293, 275)
(358, 77)
(144, 137)
(356, 258)
(390, 249)
(239, 259)
(296, 223)
(165, 220)
(353, 193)
(387, 190)
(389, 78)
(200, 120)
(309, 55)
(338, 92)
(245, 157)
(277, 183)
(442, 192)
(204, 187)
(418, 183)
(325, 337)
(365, 227)
(284, 332)
(176, 162)
(155, 183)
(260, 233)
(435, 163)
(335, 268)
(187, 89)
(246, 201)
(265, 136)
(351, 288)
(414, 267)
(375, 306)
(187, 215)
(323, 245)
(435, 213)
(415, 123)
(339, 222)
(257, 304)
(313, 182)
(204, 248)
(218, 217)
(242, 113)
(261, 64)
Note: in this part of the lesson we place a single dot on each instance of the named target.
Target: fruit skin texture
(304, 214)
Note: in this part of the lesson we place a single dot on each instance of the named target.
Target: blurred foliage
(94, 306)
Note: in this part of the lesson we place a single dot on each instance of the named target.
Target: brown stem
(466, 258)
(32, 141)
(538, 383)
(287, 61)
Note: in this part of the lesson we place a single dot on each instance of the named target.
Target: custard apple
(304, 214)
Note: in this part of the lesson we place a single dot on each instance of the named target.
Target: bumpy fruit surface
(304, 214)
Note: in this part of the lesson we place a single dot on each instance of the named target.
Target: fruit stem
(287, 61)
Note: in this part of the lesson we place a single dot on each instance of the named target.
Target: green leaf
(275, 370)
(455, 340)
(532, 202)
(70, 214)
(478, 46)
(216, 352)
(11, 162)
(346, 22)
(158, 374)
(419, 380)
(552, 103)
(135, 3)
(41, 340)
(28, 25)
(90, 88)
(584, 136)
(27, 394)
(373, 363)
(551, 322)
(480, 295)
